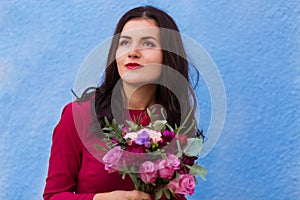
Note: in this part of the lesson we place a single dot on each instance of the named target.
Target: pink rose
(184, 185)
(112, 157)
(148, 172)
(168, 166)
(164, 170)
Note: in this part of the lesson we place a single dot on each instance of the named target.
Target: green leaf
(106, 121)
(149, 112)
(111, 135)
(200, 171)
(162, 113)
(154, 154)
(177, 130)
(187, 117)
(134, 180)
(159, 124)
(193, 147)
(191, 126)
(127, 140)
(176, 127)
(99, 147)
(154, 117)
(125, 167)
(114, 124)
(130, 123)
(107, 129)
(163, 155)
(167, 193)
(170, 127)
(132, 176)
(179, 154)
(153, 110)
(158, 194)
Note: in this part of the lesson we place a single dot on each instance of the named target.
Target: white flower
(131, 135)
(154, 135)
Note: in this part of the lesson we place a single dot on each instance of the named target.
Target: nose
(134, 53)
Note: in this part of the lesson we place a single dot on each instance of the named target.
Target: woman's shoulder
(77, 114)
(76, 118)
(77, 106)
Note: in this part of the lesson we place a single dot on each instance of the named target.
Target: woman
(135, 79)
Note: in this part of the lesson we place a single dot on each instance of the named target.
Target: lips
(133, 65)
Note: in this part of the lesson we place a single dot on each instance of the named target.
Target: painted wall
(255, 45)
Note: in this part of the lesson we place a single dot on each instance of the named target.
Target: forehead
(140, 26)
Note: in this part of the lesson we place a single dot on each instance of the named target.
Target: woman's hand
(122, 195)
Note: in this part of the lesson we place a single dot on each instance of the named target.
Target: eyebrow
(149, 37)
(143, 38)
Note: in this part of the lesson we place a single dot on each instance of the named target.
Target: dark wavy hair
(174, 56)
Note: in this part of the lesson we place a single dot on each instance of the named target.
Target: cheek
(119, 61)
(157, 69)
(153, 71)
(118, 58)
(119, 53)
(157, 56)
(161, 56)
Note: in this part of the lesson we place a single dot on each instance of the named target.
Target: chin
(138, 80)
(134, 82)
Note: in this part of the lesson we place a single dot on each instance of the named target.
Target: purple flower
(112, 157)
(168, 135)
(143, 139)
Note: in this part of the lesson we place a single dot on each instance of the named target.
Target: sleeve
(179, 197)
(64, 162)
(182, 197)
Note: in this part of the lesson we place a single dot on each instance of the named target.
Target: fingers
(138, 195)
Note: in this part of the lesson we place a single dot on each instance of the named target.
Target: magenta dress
(75, 169)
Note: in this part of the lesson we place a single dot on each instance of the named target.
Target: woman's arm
(64, 162)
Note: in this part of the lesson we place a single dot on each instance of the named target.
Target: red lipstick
(133, 65)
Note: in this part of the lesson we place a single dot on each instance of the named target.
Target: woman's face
(139, 55)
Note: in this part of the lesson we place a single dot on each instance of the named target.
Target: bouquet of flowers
(158, 158)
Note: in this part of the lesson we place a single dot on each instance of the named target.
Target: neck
(139, 97)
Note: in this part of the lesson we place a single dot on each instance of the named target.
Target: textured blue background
(255, 44)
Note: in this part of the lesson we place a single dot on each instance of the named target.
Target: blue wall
(255, 44)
